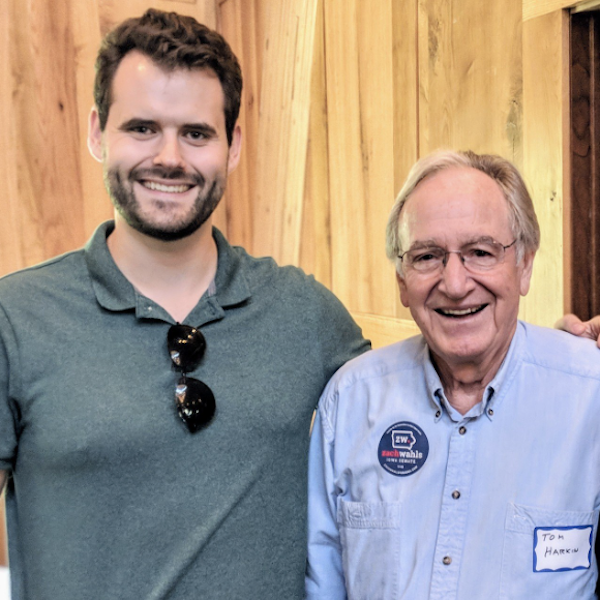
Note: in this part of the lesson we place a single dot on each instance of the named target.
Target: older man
(463, 463)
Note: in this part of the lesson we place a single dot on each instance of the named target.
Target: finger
(572, 324)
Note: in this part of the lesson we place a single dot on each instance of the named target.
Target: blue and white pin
(403, 449)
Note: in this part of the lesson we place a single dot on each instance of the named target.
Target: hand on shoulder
(574, 325)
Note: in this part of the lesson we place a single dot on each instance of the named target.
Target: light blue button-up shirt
(409, 499)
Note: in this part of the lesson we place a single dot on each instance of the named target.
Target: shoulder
(402, 360)
(43, 277)
(285, 283)
(559, 351)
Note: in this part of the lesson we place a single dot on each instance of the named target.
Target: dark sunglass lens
(195, 402)
(186, 346)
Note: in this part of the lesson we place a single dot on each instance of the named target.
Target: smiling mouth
(161, 187)
(458, 313)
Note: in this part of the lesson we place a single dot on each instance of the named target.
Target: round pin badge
(403, 449)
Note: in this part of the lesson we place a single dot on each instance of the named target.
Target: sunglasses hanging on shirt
(194, 399)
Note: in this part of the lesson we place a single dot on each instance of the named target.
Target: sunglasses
(194, 399)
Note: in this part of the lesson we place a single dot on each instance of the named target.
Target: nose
(456, 281)
(169, 152)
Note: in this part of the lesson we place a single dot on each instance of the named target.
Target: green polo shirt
(110, 496)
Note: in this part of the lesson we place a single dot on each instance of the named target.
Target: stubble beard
(121, 192)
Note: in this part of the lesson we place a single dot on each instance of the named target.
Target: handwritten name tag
(562, 548)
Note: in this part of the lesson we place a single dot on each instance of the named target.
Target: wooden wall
(341, 98)
(383, 84)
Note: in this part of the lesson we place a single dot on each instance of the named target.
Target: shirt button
(438, 414)
(462, 430)
(456, 494)
(491, 412)
(447, 560)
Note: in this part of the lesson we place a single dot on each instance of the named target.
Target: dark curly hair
(172, 41)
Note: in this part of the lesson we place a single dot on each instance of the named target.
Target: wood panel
(539, 8)
(40, 150)
(315, 242)
(240, 22)
(545, 81)
(283, 133)
(360, 114)
(470, 76)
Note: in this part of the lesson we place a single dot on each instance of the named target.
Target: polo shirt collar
(114, 291)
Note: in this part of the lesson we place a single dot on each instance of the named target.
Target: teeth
(460, 313)
(159, 187)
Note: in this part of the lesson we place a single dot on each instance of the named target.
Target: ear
(235, 149)
(526, 270)
(403, 290)
(94, 140)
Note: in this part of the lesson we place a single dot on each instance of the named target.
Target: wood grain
(240, 22)
(283, 133)
(383, 331)
(539, 8)
(470, 76)
(545, 83)
(315, 241)
(360, 110)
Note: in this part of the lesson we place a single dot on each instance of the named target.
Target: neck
(465, 383)
(172, 274)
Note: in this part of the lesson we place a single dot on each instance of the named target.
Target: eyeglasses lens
(194, 399)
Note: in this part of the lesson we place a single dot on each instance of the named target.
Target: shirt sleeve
(340, 337)
(8, 409)
(324, 574)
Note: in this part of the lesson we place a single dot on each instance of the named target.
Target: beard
(121, 192)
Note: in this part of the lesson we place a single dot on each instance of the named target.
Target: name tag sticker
(562, 548)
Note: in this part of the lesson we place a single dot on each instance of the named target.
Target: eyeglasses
(477, 257)
(194, 399)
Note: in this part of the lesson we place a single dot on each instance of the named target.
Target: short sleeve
(8, 408)
(340, 337)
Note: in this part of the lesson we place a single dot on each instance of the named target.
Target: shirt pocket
(370, 538)
(531, 536)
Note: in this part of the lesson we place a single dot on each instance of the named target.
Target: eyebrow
(420, 244)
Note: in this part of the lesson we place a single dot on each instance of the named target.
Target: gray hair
(522, 219)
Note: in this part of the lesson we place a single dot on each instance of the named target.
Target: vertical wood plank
(406, 112)
(44, 138)
(283, 134)
(546, 114)
(470, 76)
(87, 35)
(315, 241)
(239, 21)
(360, 92)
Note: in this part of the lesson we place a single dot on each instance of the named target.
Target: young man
(147, 459)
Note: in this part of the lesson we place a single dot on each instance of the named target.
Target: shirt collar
(495, 391)
(114, 291)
